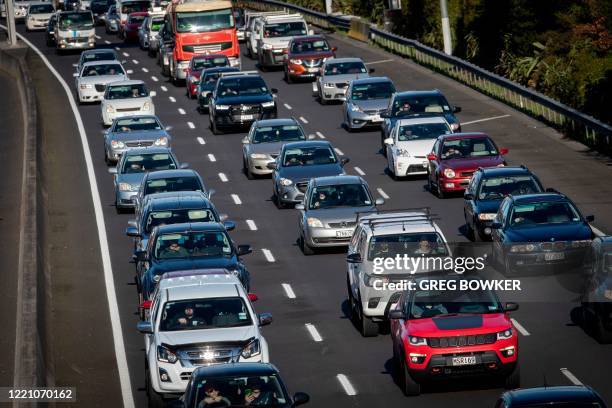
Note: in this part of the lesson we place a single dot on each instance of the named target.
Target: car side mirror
(334, 49)
(140, 255)
(75, 74)
(311, 32)
(244, 249)
(344, 160)
(184, 166)
(223, 217)
(245, 140)
(253, 297)
(590, 218)
(511, 307)
(389, 141)
(210, 193)
(354, 258)
(504, 151)
(274, 90)
(271, 165)
(299, 206)
(132, 231)
(265, 319)
(144, 327)
(300, 398)
(396, 314)
(379, 201)
(496, 225)
(468, 196)
(112, 170)
(152, 93)
(431, 157)
(229, 225)
(456, 109)
(385, 114)
(371, 70)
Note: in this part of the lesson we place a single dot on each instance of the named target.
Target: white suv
(387, 234)
(272, 34)
(198, 319)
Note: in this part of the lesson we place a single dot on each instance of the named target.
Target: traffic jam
(406, 284)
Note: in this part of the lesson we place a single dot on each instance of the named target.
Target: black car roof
(191, 226)
(505, 171)
(161, 174)
(541, 395)
(242, 76)
(223, 370)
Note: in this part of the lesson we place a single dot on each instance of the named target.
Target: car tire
(513, 380)
(154, 400)
(247, 170)
(410, 388)
(214, 128)
(322, 100)
(601, 333)
(367, 327)
(469, 231)
(306, 249)
(439, 192)
(508, 269)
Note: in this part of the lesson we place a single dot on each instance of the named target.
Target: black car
(574, 396)
(208, 81)
(239, 99)
(409, 104)
(597, 296)
(50, 33)
(487, 188)
(180, 247)
(238, 383)
(539, 229)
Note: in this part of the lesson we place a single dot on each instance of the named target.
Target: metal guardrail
(575, 124)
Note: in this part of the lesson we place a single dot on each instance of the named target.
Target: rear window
(126, 91)
(148, 162)
(136, 124)
(172, 184)
(156, 218)
(274, 134)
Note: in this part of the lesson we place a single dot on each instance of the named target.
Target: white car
(126, 98)
(198, 318)
(38, 15)
(91, 82)
(411, 141)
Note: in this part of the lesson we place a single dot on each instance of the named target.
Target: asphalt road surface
(339, 367)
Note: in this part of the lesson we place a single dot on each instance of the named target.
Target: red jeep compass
(444, 334)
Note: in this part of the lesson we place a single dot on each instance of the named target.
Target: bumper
(226, 120)
(37, 25)
(409, 166)
(376, 303)
(124, 198)
(456, 184)
(290, 194)
(259, 166)
(131, 35)
(333, 93)
(327, 237)
(76, 45)
(273, 57)
(358, 120)
(570, 257)
(299, 71)
(90, 95)
(235, 62)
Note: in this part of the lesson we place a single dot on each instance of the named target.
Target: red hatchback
(305, 56)
(196, 65)
(130, 29)
(455, 157)
(444, 334)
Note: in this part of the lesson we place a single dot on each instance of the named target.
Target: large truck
(200, 27)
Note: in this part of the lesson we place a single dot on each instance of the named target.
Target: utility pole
(328, 6)
(9, 7)
(446, 32)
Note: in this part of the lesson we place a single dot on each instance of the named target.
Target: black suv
(239, 99)
(553, 397)
(487, 188)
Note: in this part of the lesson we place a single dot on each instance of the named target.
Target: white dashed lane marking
(154, 78)
(163, 88)
(320, 135)
(359, 171)
(303, 119)
(346, 384)
(340, 152)
(135, 61)
(200, 140)
(571, 376)
(251, 225)
(236, 199)
(314, 333)
(223, 177)
(181, 111)
(286, 105)
(191, 125)
(212, 157)
(520, 327)
(268, 254)
(98, 37)
(107, 42)
(172, 98)
(288, 290)
(144, 69)
(125, 54)
(382, 193)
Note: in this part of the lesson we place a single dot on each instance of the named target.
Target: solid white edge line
(223, 177)
(359, 171)
(268, 254)
(212, 157)
(303, 119)
(191, 125)
(286, 105)
(382, 193)
(320, 135)
(288, 290)
(314, 333)
(200, 140)
(236, 199)
(111, 295)
(484, 120)
(567, 373)
(252, 225)
(346, 384)
(520, 327)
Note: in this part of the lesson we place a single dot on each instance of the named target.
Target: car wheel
(601, 332)
(513, 380)
(439, 191)
(306, 249)
(322, 100)
(469, 231)
(410, 388)
(247, 170)
(214, 128)
(367, 326)
(508, 269)
(154, 400)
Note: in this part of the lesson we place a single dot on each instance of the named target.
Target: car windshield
(200, 22)
(288, 29)
(274, 134)
(126, 91)
(410, 105)
(156, 24)
(211, 62)
(211, 244)
(431, 303)
(135, 7)
(239, 391)
(103, 69)
(556, 212)
(308, 156)
(136, 19)
(339, 195)
(74, 21)
(299, 47)
(496, 188)
(374, 90)
(245, 86)
(428, 244)
(136, 124)
(41, 9)
(422, 131)
(163, 185)
(98, 56)
(211, 77)
(200, 314)
(140, 163)
(468, 147)
(344, 68)
(156, 218)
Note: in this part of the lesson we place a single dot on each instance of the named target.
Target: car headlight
(450, 173)
(109, 109)
(523, 248)
(417, 341)
(314, 222)
(259, 156)
(581, 243)
(354, 108)
(222, 107)
(296, 61)
(92, 38)
(162, 141)
(117, 144)
(266, 46)
(146, 106)
(486, 216)
(608, 294)
(328, 85)
(403, 153)
(505, 335)
(369, 280)
(454, 126)
(205, 94)
(269, 104)
(251, 349)
(165, 355)
(285, 182)
(86, 86)
(127, 187)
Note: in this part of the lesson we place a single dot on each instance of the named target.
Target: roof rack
(239, 73)
(398, 217)
(274, 17)
(398, 212)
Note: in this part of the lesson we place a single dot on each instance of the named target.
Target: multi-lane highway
(312, 341)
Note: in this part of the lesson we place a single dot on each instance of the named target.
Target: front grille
(245, 109)
(372, 111)
(467, 173)
(220, 354)
(207, 48)
(76, 40)
(350, 224)
(140, 143)
(127, 109)
(100, 87)
(461, 341)
(311, 63)
(341, 84)
(553, 246)
(302, 186)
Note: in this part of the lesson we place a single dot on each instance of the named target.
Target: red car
(196, 65)
(444, 334)
(305, 56)
(455, 157)
(129, 31)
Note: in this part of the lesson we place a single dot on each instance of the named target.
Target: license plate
(462, 361)
(313, 69)
(344, 234)
(554, 256)
(376, 119)
(247, 117)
